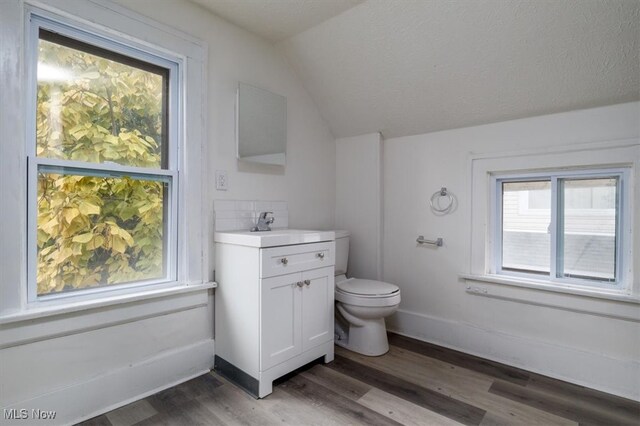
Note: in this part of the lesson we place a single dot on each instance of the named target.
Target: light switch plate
(222, 181)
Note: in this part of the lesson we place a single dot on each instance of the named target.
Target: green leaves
(109, 112)
(87, 208)
(118, 244)
(69, 214)
(95, 242)
(91, 75)
(83, 238)
(98, 230)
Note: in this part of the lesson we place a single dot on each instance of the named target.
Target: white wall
(359, 202)
(127, 351)
(308, 180)
(588, 348)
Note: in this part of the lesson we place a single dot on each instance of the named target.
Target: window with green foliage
(102, 190)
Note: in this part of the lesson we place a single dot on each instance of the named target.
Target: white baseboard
(616, 376)
(116, 388)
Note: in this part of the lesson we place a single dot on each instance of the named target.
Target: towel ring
(435, 201)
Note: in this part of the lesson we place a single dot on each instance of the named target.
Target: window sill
(102, 302)
(565, 297)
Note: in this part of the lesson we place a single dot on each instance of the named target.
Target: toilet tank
(342, 251)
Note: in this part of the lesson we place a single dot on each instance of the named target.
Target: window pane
(587, 239)
(538, 199)
(98, 230)
(98, 106)
(525, 228)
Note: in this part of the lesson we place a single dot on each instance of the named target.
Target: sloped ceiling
(276, 20)
(415, 66)
(408, 67)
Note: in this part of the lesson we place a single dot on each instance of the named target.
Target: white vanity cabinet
(273, 310)
(296, 315)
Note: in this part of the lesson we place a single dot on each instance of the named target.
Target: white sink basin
(277, 237)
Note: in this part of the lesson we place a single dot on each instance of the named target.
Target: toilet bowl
(361, 306)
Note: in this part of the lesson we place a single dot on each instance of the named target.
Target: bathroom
(378, 121)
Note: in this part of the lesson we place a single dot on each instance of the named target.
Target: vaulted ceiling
(276, 20)
(416, 66)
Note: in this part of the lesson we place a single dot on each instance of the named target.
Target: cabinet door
(317, 307)
(280, 320)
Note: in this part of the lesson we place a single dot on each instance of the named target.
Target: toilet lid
(367, 287)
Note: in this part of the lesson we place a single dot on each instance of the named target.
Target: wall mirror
(261, 119)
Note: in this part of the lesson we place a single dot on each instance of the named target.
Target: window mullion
(103, 167)
(553, 230)
(497, 233)
(619, 230)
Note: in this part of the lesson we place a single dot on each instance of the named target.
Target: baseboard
(597, 371)
(120, 387)
(237, 376)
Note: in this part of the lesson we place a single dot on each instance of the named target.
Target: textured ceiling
(275, 20)
(409, 67)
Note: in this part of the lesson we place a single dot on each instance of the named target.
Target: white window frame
(623, 224)
(75, 30)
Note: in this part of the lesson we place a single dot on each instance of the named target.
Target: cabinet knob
(284, 260)
(307, 282)
(320, 255)
(299, 284)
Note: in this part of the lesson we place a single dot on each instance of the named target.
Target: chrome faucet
(263, 222)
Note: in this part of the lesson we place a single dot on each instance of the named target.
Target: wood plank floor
(416, 383)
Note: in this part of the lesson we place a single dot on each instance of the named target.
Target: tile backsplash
(242, 215)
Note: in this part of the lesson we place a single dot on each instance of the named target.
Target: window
(565, 226)
(102, 164)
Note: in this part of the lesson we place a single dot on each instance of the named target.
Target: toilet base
(368, 339)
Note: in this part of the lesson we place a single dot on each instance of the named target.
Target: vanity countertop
(274, 238)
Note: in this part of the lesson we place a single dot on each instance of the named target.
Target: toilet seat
(366, 288)
(360, 292)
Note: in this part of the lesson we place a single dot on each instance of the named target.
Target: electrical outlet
(222, 181)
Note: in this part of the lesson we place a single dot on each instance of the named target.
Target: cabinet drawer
(288, 259)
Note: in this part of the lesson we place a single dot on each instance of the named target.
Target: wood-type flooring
(415, 383)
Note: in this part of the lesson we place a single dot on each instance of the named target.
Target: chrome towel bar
(437, 242)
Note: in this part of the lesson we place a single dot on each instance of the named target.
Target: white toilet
(361, 306)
